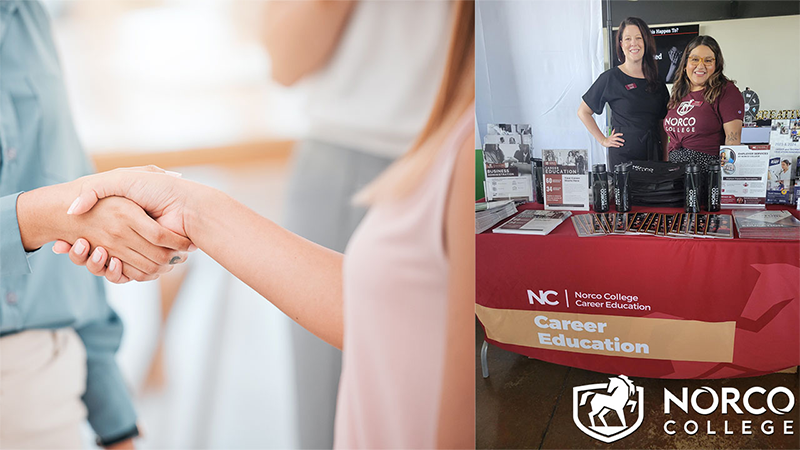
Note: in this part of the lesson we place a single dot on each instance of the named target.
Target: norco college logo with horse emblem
(618, 395)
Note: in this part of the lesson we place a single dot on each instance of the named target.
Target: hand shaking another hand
(134, 238)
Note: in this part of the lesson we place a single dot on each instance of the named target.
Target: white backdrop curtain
(534, 60)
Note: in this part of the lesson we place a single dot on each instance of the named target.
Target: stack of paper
(767, 225)
(489, 217)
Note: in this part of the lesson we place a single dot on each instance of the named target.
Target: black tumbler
(538, 179)
(600, 188)
(713, 188)
(622, 176)
(691, 189)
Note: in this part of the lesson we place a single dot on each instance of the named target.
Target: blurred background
(186, 85)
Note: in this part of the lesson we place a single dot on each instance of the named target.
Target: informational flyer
(507, 162)
(566, 179)
(744, 175)
(784, 142)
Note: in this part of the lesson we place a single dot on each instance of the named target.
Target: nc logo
(616, 395)
(542, 298)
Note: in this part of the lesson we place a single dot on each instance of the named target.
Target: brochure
(784, 142)
(507, 152)
(767, 225)
(744, 175)
(566, 179)
(583, 227)
(533, 221)
(719, 226)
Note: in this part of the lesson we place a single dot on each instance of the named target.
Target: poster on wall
(507, 162)
(566, 179)
(670, 43)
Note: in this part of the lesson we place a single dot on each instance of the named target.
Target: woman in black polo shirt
(638, 100)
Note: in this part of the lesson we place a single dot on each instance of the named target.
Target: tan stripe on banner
(632, 337)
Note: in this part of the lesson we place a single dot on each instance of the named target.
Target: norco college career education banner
(613, 312)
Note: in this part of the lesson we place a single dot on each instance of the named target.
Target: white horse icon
(620, 389)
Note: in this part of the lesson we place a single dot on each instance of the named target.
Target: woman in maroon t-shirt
(705, 109)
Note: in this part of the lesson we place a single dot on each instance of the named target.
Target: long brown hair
(716, 82)
(649, 67)
(456, 93)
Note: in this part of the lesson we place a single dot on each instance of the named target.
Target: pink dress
(395, 308)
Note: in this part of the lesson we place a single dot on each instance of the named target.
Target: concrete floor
(526, 403)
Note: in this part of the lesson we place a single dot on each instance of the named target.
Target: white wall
(533, 62)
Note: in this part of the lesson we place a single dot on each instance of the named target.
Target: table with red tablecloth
(643, 306)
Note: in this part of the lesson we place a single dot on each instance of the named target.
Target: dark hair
(787, 162)
(649, 67)
(715, 83)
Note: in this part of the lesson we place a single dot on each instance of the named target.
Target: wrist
(200, 202)
(42, 214)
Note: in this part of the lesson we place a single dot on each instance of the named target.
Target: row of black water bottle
(694, 188)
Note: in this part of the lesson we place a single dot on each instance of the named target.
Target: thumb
(85, 201)
(98, 186)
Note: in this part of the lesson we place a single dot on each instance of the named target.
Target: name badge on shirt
(630, 86)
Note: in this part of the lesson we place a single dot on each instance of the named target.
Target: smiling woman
(706, 109)
(635, 95)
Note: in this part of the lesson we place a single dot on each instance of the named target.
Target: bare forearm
(41, 214)
(301, 35)
(303, 279)
(591, 125)
(733, 132)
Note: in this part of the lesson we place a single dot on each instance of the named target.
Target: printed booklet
(533, 221)
(767, 225)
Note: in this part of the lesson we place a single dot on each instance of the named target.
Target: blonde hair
(456, 93)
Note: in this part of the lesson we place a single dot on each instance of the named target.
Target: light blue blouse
(39, 147)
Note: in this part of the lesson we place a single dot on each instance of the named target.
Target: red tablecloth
(703, 308)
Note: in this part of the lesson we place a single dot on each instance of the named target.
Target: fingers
(614, 140)
(97, 264)
(114, 272)
(154, 168)
(79, 253)
(60, 247)
(135, 274)
(115, 182)
(158, 235)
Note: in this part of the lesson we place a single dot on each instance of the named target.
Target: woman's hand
(152, 189)
(118, 228)
(613, 140)
(99, 264)
(161, 194)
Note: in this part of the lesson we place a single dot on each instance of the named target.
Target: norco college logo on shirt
(687, 106)
(683, 124)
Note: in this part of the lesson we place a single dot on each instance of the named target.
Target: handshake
(126, 224)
